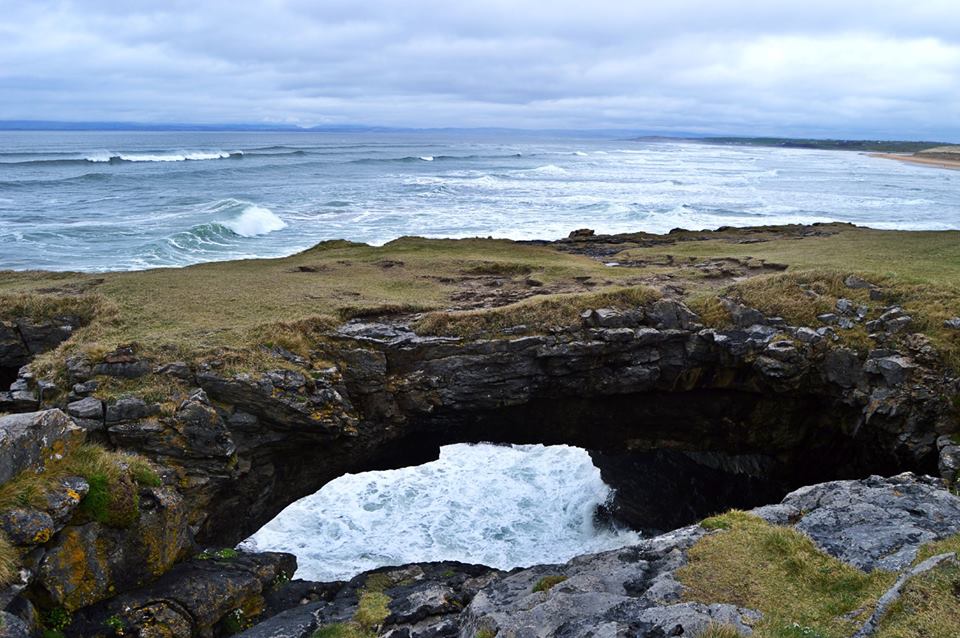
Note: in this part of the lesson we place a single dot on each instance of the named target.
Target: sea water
(131, 200)
(501, 506)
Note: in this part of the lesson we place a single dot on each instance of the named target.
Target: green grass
(189, 313)
(372, 610)
(548, 582)
(781, 573)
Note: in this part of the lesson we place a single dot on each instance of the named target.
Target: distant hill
(876, 146)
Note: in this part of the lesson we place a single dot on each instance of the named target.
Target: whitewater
(500, 506)
(95, 201)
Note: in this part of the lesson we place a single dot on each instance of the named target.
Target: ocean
(95, 201)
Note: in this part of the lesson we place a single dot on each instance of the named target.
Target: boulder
(91, 562)
(668, 314)
(28, 440)
(193, 597)
(88, 408)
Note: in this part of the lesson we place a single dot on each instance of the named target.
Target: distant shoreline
(926, 161)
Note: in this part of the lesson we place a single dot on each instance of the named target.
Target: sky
(846, 68)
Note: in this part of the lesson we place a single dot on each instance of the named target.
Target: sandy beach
(935, 162)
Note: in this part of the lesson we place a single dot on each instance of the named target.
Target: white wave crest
(549, 169)
(180, 156)
(493, 505)
(253, 221)
(427, 158)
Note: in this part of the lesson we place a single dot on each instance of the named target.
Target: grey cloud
(879, 68)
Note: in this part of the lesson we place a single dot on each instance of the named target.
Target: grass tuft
(781, 573)
(372, 609)
(113, 477)
(720, 631)
(9, 562)
(548, 582)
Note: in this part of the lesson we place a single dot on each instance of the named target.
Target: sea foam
(253, 221)
(502, 506)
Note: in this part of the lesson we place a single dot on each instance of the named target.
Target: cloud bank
(877, 68)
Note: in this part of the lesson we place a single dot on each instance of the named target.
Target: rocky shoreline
(128, 530)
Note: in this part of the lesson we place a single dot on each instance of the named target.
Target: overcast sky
(818, 67)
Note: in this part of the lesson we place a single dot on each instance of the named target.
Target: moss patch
(113, 478)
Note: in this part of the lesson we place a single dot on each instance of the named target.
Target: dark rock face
(425, 601)
(193, 599)
(256, 442)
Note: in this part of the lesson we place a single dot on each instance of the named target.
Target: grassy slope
(804, 593)
(227, 304)
(182, 313)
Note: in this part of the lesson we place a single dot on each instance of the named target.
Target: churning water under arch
(501, 506)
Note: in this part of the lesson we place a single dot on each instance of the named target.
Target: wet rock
(193, 597)
(875, 523)
(743, 316)
(605, 592)
(27, 440)
(949, 458)
(892, 321)
(846, 306)
(177, 369)
(64, 498)
(124, 363)
(13, 351)
(581, 233)
(13, 627)
(857, 283)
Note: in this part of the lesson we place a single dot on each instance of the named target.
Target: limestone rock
(88, 408)
(28, 440)
(874, 523)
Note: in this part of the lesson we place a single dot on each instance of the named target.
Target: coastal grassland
(803, 592)
(236, 304)
(918, 270)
